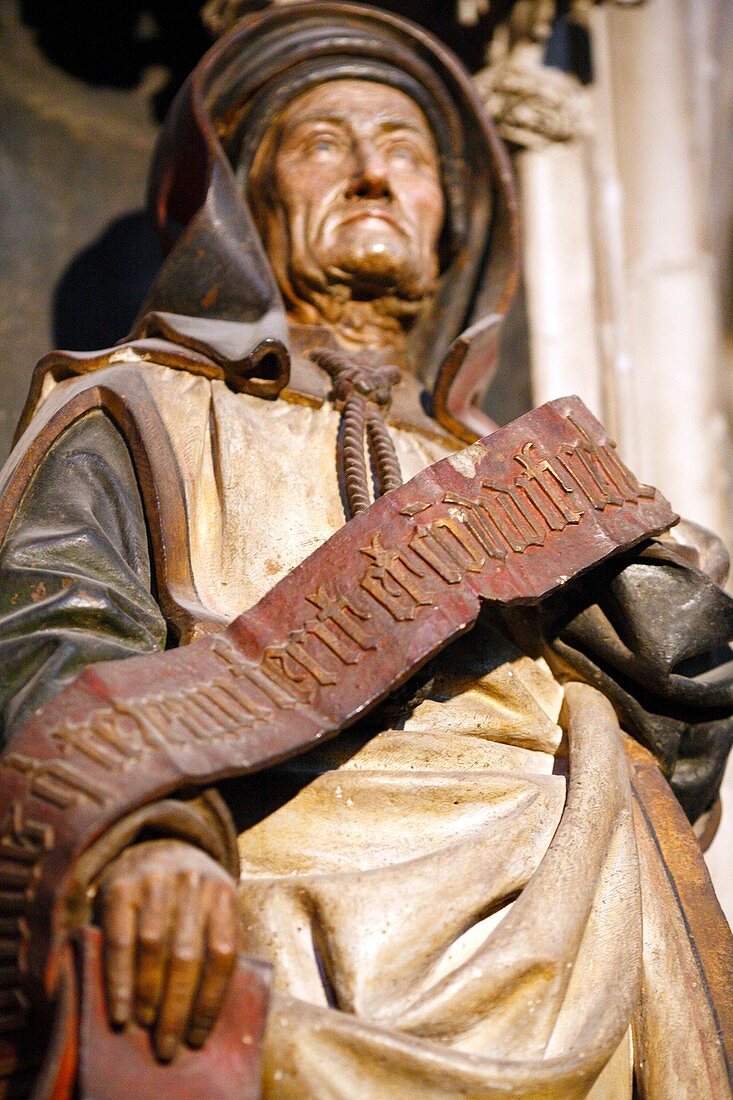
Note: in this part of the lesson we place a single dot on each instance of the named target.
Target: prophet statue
(485, 885)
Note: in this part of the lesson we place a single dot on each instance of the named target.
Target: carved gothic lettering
(415, 508)
(287, 674)
(223, 701)
(248, 711)
(243, 681)
(18, 828)
(514, 518)
(298, 650)
(334, 643)
(157, 720)
(616, 471)
(589, 476)
(127, 743)
(424, 543)
(546, 489)
(58, 783)
(203, 713)
(23, 841)
(86, 740)
(262, 679)
(152, 727)
(339, 612)
(545, 506)
(477, 521)
(445, 547)
(599, 472)
(453, 536)
(395, 582)
(232, 658)
(634, 489)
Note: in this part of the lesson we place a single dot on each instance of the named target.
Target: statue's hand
(171, 935)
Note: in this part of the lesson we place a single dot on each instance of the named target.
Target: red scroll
(509, 519)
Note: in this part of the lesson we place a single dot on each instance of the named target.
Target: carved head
(346, 189)
(286, 136)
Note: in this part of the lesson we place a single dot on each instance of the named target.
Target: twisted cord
(352, 463)
(389, 473)
(335, 362)
(362, 389)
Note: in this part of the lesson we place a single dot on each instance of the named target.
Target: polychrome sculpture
(264, 520)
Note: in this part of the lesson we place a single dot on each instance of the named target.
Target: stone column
(542, 112)
(662, 351)
(662, 99)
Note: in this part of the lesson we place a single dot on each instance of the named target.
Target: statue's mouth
(376, 214)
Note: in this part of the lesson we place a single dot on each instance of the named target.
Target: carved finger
(153, 937)
(120, 924)
(184, 969)
(222, 943)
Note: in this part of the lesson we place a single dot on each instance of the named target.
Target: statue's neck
(378, 324)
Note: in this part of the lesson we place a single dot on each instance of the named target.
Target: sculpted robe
(463, 895)
(451, 892)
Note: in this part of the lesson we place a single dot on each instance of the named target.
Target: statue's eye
(322, 147)
(404, 155)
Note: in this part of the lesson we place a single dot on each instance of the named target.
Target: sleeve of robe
(75, 588)
(652, 632)
(75, 578)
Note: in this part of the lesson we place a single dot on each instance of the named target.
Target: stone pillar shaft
(664, 305)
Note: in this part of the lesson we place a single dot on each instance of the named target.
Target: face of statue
(347, 190)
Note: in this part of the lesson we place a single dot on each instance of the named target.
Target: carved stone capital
(533, 104)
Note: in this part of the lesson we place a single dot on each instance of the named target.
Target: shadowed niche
(112, 44)
(102, 289)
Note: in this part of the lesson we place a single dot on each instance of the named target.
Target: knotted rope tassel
(362, 390)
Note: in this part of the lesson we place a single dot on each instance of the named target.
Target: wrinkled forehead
(354, 104)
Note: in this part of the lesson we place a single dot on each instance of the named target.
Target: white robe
(453, 909)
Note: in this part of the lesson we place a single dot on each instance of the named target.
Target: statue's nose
(370, 179)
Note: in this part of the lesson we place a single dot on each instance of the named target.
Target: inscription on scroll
(508, 519)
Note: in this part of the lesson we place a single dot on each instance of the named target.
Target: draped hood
(216, 292)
